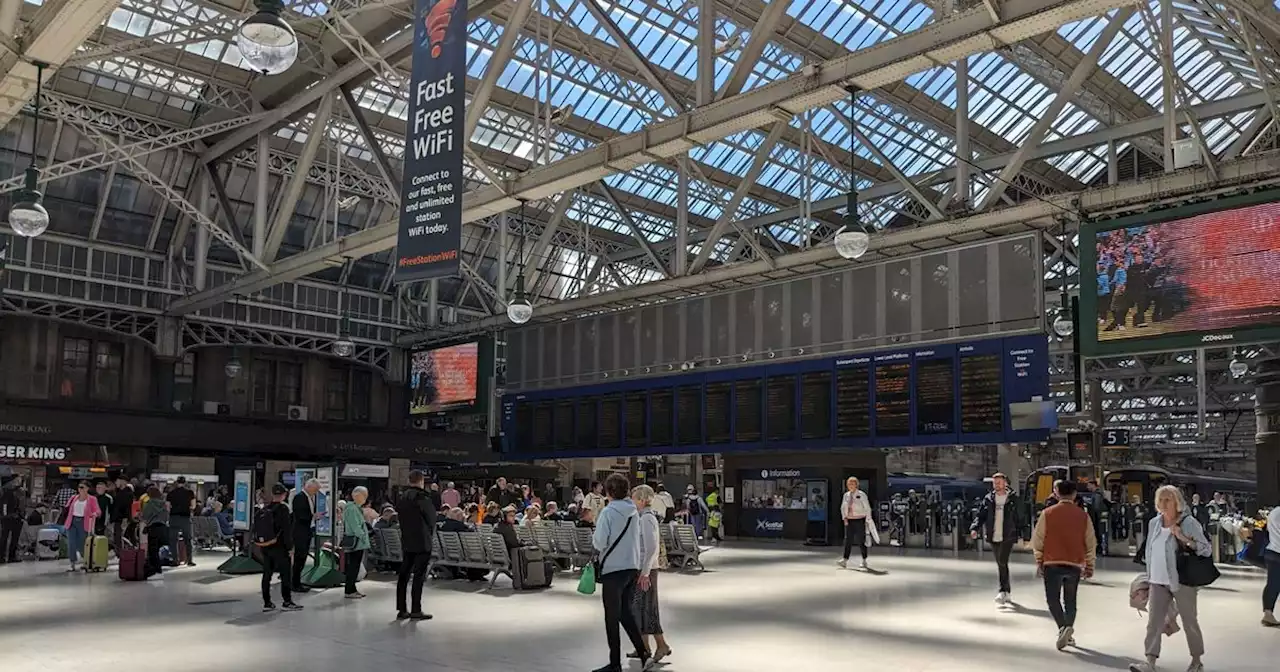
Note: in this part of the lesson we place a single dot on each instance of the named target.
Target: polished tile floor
(757, 607)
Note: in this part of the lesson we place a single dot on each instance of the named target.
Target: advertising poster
(443, 378)
(763, 522)
(324, 502)
(817, 500)
(242, 518)
(1216, 271)
(430, 236)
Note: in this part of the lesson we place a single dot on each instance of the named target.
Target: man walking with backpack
(273, 537)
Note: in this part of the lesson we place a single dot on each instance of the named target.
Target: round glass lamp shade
(1063, 326)
(519, 311)
(233, 368)
(1238, 367)
(852, 244)
(343, 347)
(28, 218)
(267, 43)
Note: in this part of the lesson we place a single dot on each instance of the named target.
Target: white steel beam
(964, 34)
(730, 211)
(289, 197)
(636, 231)
(52, 36)
(641, 63)
(761, 33)
(497, 65)
(1038, 213)
(885, 161)
(537, 256)
(706, 73)
(1050, 114)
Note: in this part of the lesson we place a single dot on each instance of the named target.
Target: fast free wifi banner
(430, 237)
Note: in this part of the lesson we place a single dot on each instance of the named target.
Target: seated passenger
(472, 514)
(571, 513)
(587, 518)
(532, 515)
(455, 521)
(225, 526)
(507, 527)
(554, 513)
(491, 514)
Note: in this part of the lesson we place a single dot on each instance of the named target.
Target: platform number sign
(1115, 438)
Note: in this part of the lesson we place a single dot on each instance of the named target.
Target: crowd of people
(1136, 277)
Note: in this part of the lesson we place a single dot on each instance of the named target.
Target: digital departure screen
(689, 412)
(718, 413)
(543, 426)
(610, 423)
(524, 424)
(587, 433)
(935, 396)
(661, 416)
(815, 405)
(637, 426)
(980, 408)
(562, 417)
(853, 402)
(747, 429)
(893, 399)
(780, 408)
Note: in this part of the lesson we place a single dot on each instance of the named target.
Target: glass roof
(584, 77)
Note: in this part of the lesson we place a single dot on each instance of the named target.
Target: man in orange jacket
(1066, 549)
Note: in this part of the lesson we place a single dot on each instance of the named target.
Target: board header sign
(430, 236)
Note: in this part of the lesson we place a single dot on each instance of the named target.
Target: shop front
(42, 467)
(794, 495)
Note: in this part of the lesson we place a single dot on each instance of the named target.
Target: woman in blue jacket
(617, 541)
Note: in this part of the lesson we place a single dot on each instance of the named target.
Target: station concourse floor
(757, 607)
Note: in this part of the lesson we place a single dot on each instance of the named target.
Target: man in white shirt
(855, 511)
(998, 520)
(662, 503)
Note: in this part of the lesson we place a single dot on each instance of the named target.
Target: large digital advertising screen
(1207, 274)
(444, 378)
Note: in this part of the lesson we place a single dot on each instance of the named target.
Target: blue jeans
(76, 537)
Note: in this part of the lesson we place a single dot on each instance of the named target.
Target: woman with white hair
(1171, 530)
(355, 539)
(646, 597)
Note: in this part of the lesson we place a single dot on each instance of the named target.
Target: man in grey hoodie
(617, 540)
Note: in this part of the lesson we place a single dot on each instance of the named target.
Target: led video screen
(1209, 273)
(444, 378)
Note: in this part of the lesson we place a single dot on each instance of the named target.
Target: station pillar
(1267, 439)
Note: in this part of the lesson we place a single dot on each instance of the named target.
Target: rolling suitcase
(532, 570)
(95, 554)
(133, 564)
(48, 543)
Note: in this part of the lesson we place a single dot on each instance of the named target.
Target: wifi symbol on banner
(438, 24)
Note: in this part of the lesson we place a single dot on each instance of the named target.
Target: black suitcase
(532, 570)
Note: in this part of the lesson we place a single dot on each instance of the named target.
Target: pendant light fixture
(852, 240)
(234, 368)
(1063, 324)
(520, 310)
(343, 347)
(266, 41)
(27, 217)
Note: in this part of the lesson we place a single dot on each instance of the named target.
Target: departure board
(718, 417)
(661, 405)
(815, 405)
(853, 402)
(587, 411)
(893, 399)
(562, 417)
(747, 401)
(780, 408)
(980, 409)
(637, 425)
(524, 427)
(610, 430)
(935, 396)
(543, 426)
(689, 414)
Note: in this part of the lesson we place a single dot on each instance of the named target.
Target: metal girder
(139, 170)
(761, 33)
(221, 28)
(1060, 100)
(641, 63)
(1039, 213)
(636, 231)
(967, 33)
(545, 239)
(293, 191)
(53, 34)
(730, 212)
(496, 66)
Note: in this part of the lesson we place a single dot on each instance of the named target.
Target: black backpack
(265, 532)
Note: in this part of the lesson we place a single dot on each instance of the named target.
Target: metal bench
(499, 559)
(686, 545)
(385, 548)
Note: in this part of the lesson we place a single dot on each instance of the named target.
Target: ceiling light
(1063, 325)
(1238, 367)
(233, 366)
(27, 217)
(851, 244)
(266, 42)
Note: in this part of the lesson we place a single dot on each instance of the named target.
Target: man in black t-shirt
(181, 500)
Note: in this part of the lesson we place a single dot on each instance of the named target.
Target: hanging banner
(430, 237)
(243, 499)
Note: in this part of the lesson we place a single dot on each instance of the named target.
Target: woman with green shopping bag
(617, 540)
